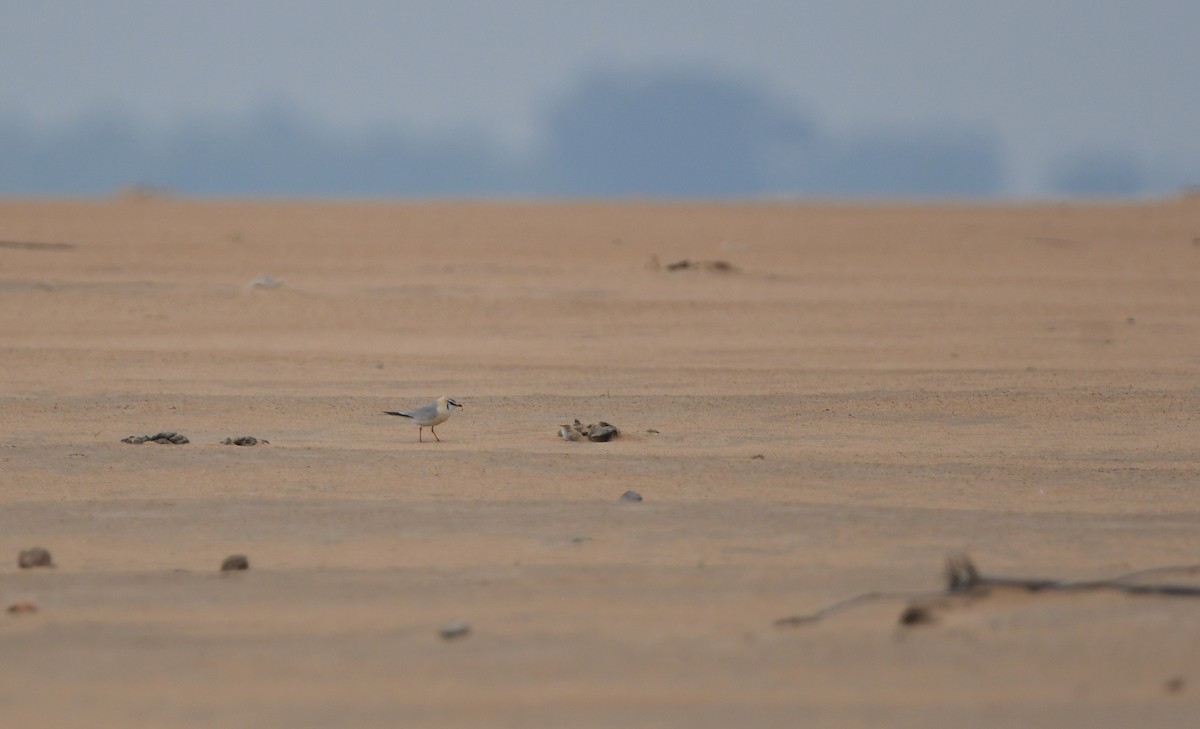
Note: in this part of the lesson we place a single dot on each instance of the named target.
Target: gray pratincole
(427, 416)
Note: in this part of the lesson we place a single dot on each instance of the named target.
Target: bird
(427, 416)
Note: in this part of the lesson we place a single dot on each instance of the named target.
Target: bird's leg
(420, 431)
(431, 430)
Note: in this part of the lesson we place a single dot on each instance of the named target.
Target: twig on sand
(841, 605)
(962, 576)
(964, 579)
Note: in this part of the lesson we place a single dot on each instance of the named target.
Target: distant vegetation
(684, 133)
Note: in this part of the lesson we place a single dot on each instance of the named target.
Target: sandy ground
(872, 388)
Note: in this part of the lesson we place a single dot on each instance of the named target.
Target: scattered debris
(687, 264)
(167, 436)
(963, 579)
(35, 557)
(245, 440)
(631, 496)
(600, 432)
(758, 457)
(22, 607)
(652, 430)
(457, 629)
(235, 562)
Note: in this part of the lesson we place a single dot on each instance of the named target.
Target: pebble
(36, 557)
(916, 615)
(244, 440)
(457, 629)
(631, 496)
(235, 562)
(22, 606)
(264, 281)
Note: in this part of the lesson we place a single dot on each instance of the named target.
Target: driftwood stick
(963, 578)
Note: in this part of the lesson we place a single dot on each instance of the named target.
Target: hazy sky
(1047, 77)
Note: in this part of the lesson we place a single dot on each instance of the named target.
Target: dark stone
(916, 615)
(36, 557)
(235, 562)
(602, 432)
(165, 437)
(457, 629)
(631, 496)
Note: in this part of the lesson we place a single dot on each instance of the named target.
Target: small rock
(602, 432)
(631, 496)
(457, 629)
(566, 432)
(244, 440)
(916, 615)
(264, 281)
(22, 606)
(235, 562)
(758, 457)
(1172, 685)
(580, 540)
(36, 557)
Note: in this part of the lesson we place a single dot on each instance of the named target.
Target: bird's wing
(394, 412)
